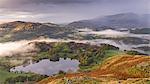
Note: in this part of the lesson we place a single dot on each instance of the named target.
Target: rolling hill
(19, 30)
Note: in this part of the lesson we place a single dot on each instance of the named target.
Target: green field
(5, 75)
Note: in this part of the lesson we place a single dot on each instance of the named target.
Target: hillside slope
(119, 69)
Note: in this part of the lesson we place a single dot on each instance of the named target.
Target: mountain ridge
(122, 20)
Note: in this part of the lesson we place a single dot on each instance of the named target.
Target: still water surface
(47, 67)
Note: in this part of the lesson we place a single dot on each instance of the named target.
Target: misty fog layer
(106, 33)
(112, 33)
(11, 48)
(26, 46)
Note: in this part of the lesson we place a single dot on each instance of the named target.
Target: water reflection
(47, 67)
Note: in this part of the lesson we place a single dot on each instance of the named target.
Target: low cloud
(104, 33)
(112, 33)
(26, 46)
(12, 48)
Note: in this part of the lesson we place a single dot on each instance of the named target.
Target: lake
(47, 67)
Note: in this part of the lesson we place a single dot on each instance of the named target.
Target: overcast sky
(63, 11)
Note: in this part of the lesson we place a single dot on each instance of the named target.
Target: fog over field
(26, 46)
(10, 48)
(23, 46)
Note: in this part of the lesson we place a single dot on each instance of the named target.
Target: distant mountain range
(19, 30)
(123, 20)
